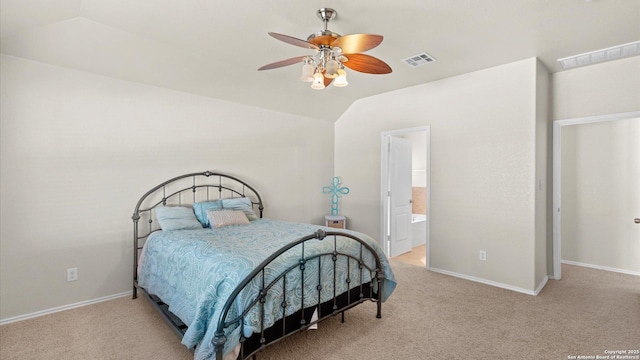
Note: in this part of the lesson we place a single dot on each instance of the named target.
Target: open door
(399, 195)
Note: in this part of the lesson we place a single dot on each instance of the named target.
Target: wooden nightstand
(335, 221)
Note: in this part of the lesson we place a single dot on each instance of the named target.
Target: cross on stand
(336, 190)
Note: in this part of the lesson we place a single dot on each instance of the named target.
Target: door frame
(557, 178)
(384, 185)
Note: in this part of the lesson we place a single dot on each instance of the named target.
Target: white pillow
(220, 218)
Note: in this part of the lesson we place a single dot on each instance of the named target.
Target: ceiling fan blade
(294, 41)
(366, 64)
(357, 43)
(281, 63)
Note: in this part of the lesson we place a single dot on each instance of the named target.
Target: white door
(399, 195)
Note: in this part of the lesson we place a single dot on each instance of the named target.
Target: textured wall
(78, 150)
(483, 157)
(600, 89)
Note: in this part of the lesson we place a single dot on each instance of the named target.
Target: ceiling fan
(332, 53)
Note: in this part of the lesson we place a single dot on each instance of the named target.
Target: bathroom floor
(417, 256)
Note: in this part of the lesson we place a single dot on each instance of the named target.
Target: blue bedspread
(195, 271)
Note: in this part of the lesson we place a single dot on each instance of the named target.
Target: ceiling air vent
(420, 59)
(612, 53)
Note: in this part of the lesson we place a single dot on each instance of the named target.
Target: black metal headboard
(185, 190)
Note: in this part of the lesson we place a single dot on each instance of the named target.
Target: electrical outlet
(483, 255)
(72, 274)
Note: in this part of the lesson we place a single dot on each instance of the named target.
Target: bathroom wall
(419, 197)
(419, 174)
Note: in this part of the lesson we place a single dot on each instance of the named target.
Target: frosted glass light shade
(332, 69)
(341, 80)
(318, 81)
(307, 73)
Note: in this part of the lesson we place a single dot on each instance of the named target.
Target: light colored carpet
(430, 316)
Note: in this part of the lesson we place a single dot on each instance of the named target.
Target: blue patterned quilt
(195, 271)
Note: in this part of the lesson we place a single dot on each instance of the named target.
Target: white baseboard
(541, 286)
(600, 267)
(494, 283)
(63, 308)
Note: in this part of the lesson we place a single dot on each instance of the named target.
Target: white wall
(543, 166)
(78, 150)
(418, 157)
(483, 168)
(607, 88)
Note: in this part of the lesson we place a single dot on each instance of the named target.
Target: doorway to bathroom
(404, 194)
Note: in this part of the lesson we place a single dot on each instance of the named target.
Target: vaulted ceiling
(214, 48)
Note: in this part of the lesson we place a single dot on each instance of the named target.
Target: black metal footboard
(367, 287)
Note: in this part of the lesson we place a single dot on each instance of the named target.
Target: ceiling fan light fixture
(318, 81)
(332, 51)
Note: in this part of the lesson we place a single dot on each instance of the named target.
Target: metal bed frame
(201, 186)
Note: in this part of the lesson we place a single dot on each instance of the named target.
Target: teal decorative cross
(336, 190)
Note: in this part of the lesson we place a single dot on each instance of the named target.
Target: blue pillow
(176, 218)
(202, 208)
(243, 204)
